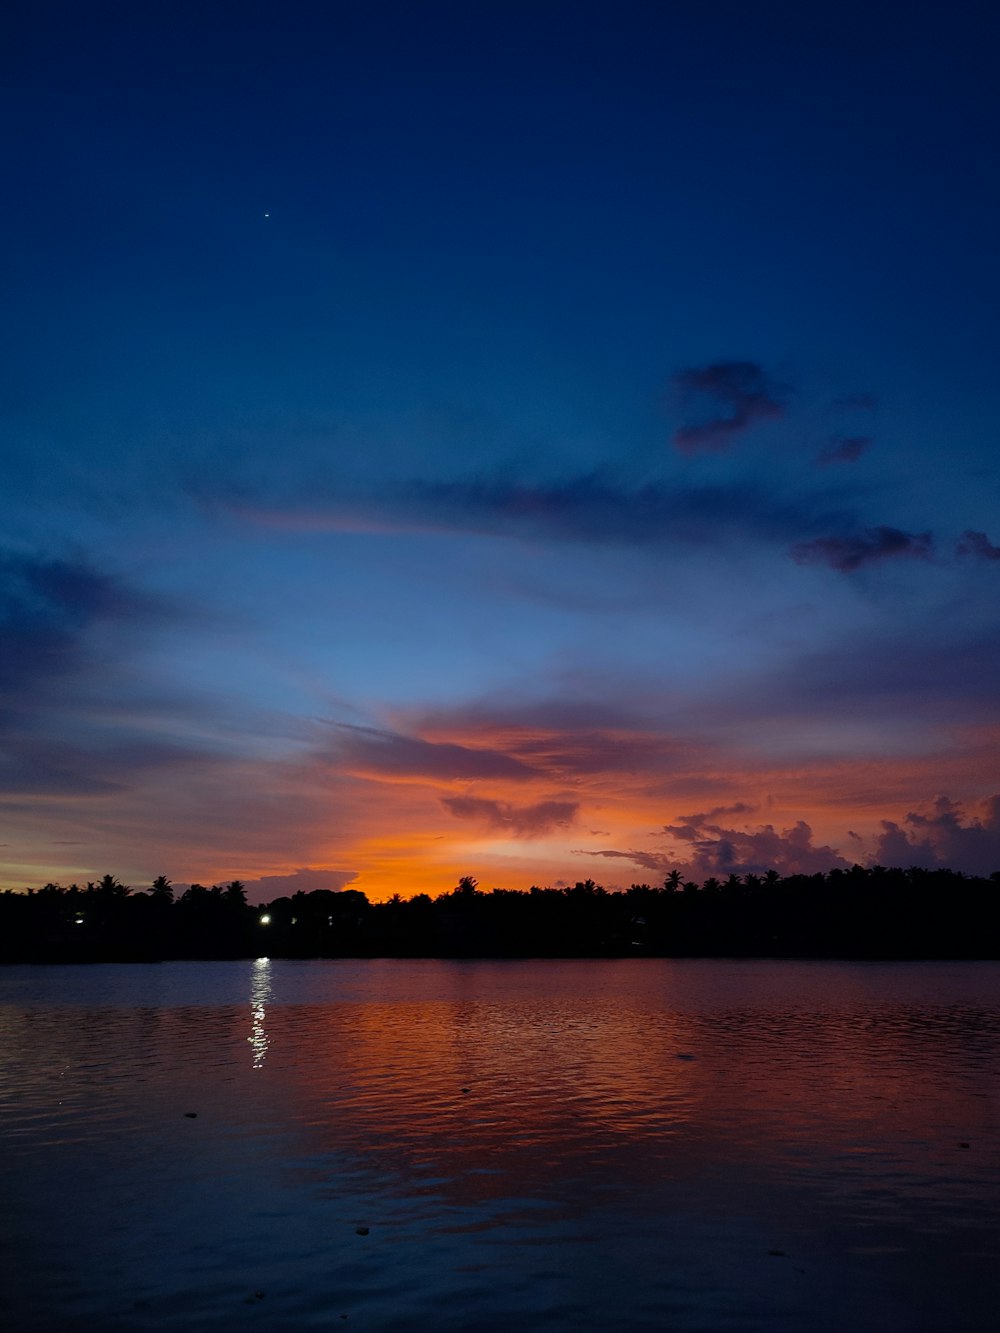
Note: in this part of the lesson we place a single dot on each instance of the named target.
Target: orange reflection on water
(491, 1094)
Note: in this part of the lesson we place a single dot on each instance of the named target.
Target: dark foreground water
(531, 1145)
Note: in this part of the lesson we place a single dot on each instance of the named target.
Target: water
(548, 1145)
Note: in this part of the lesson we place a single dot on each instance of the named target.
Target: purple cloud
(944, 839)
(523, 821)
(654, 861)
(718, 850)
(737, 394)
(874, 544)
(714, 850)
(395, 755)
(601, 752)
(977, 545)
(305, 879)
(693, 821)
(845, 449)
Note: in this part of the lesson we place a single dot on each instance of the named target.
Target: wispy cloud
(389, 754)
(849, 553)
(523, 821)
(593, 509)
(653, 861)
(734, 394)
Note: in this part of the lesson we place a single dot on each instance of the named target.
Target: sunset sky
(516, 438)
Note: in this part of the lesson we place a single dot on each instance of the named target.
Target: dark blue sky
(525, 439)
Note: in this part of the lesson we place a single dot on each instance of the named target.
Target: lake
(554, 1145)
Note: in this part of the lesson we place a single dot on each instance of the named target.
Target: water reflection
(565, 1146)
(261, 992)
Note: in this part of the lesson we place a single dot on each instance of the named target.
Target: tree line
(872, 912)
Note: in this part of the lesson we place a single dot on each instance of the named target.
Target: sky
(530, 440)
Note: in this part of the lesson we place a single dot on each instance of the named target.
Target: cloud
(306, 879)
(874, 544)
(597, 752)
(944, 838)
(654, 861)
(523, 821)
(740, 808)
(370, 751)
(46, 607)
(716, 850)
(592, 509)
(978, 545)
(845, 449)
(737, 393)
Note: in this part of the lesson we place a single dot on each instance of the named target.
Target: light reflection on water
(640, 1144)
(260, 996)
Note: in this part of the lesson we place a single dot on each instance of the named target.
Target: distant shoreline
(861, 914)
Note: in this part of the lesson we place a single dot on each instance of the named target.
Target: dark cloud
(389, 754)
(874, 544)
(559, 737)
(716, 850)
(977, 545)
(523, 821)
(740, 808)
(945, 838)
(845, 449)
(46, 607)
(737, 394)
(305, 880)
(596, 752)
(654, 861)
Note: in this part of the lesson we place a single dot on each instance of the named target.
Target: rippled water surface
(540, 1145)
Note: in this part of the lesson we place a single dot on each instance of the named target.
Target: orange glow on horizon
(389, 832)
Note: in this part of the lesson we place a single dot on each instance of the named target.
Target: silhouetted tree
(161, 890)
(857, 913)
